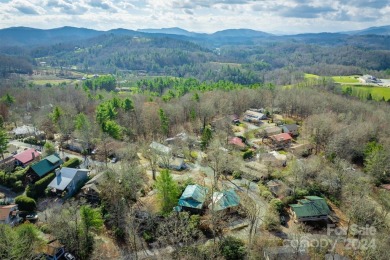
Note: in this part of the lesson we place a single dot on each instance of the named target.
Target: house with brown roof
(9, 215)
(27, 157)
(281, 141)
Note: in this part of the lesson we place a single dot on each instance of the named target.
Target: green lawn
(345, 79)
(311, 76)
(50, 81)
(362, 91)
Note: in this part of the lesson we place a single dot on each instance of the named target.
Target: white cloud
(198, 15)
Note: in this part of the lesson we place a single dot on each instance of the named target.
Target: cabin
(279, 189)
(274, 159)
(91, 190)
(192, 199)
(43, 167)
(26, 131)
(311, 208)
(237, 142)
(27, 157)
(290, 129)
(160, 148)
(281, 141)
(269, 131)
(68, 180)
(224, 200)
(286, 253)
(254, 117)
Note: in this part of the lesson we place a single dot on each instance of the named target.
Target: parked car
(69, 256)
(114, 160)
(32, 216)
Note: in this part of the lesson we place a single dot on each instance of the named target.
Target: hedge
(14, 179)
(25, 203)
(37, 189)
(72, 163)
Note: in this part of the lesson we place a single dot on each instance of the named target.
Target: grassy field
(358, 90)
(378, 93)
(311, 76)
(50, 81)
(346, 79)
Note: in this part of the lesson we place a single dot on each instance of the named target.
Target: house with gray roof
(68, 180)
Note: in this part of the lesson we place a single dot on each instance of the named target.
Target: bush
(232, 248)
(248, 154)
(262, 188)
(277, 205)
(194, 155)
(72, 163)
(25, 203)
(271, 220)
(300, 193)
(236, 175)
(266, 194)
(37, 189)
(18, 186)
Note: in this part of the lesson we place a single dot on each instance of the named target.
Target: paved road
(9, 195)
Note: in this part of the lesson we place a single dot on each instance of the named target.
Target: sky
(275, 16)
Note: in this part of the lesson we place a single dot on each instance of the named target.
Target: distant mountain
(381, 30)
(173, 30)
(29, 36)
(240, 33)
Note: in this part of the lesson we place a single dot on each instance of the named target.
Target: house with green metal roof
(192, 198)
(45, 166)
(224, 200)
(311, 208)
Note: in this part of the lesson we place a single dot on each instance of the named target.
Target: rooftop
(27, 155)
(311, 206)
(225, 199)
(281, 137)
(47, 165)
(193, 196)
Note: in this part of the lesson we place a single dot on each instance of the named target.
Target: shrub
(266, 194)
(37, 189)
(248, 154)
(18, 186)
(72, 163)
(271, 220)
(299, 193)
(236, 175)
(25, 203)
(194, 155)
(232, 248)
(276, 204)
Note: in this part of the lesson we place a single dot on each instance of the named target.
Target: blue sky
(288, 16)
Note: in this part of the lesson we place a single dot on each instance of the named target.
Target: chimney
(57, 171)
(33, 155)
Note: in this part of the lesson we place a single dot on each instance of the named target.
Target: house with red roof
(281, 141)
(236, 141)
(26, 157)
